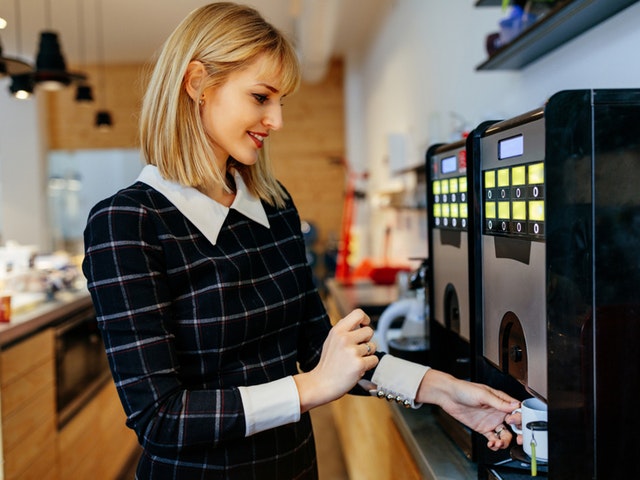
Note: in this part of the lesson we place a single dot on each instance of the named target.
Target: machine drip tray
(517, 453)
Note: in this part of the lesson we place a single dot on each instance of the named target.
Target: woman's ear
(194, 78)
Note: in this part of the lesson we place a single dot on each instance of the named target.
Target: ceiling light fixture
(12, 66)
(8, 65)
(103, 116)
(51, 69)
(21, 86)
(84, 93)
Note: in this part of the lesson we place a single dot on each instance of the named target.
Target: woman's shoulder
(137, 199)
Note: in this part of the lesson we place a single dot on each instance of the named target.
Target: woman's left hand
(478, 406)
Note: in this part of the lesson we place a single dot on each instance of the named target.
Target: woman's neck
(218, 192)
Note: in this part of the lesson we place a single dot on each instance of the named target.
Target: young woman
(217, 340)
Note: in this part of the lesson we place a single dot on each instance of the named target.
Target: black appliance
(556, 268)
(451, 317)
(81, 363)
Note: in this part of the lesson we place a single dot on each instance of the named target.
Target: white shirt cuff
(270, 405)
(397, 380)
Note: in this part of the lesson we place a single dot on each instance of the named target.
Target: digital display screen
(448, 165)
(511, 147)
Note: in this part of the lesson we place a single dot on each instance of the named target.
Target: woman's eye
(260, 98)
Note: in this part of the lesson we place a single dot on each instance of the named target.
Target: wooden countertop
(42, 315)
(434, 453)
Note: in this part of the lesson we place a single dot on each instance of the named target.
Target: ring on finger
(368, 349)
(498, 431)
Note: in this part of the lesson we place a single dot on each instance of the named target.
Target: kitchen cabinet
(27, 379)
(371, 444)
(565, 21)
(383, 440)
(95, 441)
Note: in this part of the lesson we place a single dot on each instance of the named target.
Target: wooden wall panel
(304, 151)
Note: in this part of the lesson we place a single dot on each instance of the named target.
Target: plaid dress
(186, 322)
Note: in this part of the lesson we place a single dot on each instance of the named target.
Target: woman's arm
(127, 278)
(478, 406)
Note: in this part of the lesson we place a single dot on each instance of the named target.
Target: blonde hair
(226, 38)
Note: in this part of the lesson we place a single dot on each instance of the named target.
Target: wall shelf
(566, 20)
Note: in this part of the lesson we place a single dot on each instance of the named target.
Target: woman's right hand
(346, 356)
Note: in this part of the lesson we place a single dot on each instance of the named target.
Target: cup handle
(513, 427)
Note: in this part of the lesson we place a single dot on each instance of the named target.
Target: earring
(201, 101)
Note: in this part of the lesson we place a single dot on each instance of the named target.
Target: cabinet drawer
(25, 356)
(35, 383)
(19, 427)
(30, 452)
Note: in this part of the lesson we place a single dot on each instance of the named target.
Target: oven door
(81, 363)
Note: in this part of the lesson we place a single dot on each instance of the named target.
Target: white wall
(419, 78)
(23, 205)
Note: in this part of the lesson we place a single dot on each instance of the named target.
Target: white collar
(204, 212)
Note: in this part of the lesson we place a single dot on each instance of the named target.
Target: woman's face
(239, 115)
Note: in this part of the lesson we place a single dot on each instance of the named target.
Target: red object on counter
(5, 308)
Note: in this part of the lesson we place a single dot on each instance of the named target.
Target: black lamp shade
(51, 69)
(84, 94)
(49, 54)
(21, 86)
(103, 120)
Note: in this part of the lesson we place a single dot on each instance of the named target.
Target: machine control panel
(514, 201)
(449, 190)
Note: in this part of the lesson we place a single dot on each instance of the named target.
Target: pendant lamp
(51, 69)
(12, 66)
(104, 121)
(21, 86)
(84, 92)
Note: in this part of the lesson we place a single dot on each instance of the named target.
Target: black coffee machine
(557, 268)
(451, 316)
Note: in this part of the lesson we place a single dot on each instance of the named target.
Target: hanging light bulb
(51, 69)
(103, 120)
(84, 92)
(103, 116)
(10, 66)
(21, 86)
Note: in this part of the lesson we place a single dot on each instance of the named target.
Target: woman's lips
(258, 138)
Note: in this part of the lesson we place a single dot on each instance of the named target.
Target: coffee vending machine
(557, 270)
(451, 317)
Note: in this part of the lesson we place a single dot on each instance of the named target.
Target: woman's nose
(273, 117)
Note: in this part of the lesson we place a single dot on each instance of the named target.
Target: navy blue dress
(186, 322)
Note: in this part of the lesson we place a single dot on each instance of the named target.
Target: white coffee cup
(534, 428)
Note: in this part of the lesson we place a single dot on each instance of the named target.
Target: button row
(391, 397)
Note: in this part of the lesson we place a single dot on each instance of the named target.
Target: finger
(369, 362)
(361, 335)
(497, 440)
(500, 400)
(369, 348)
(354, 320)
